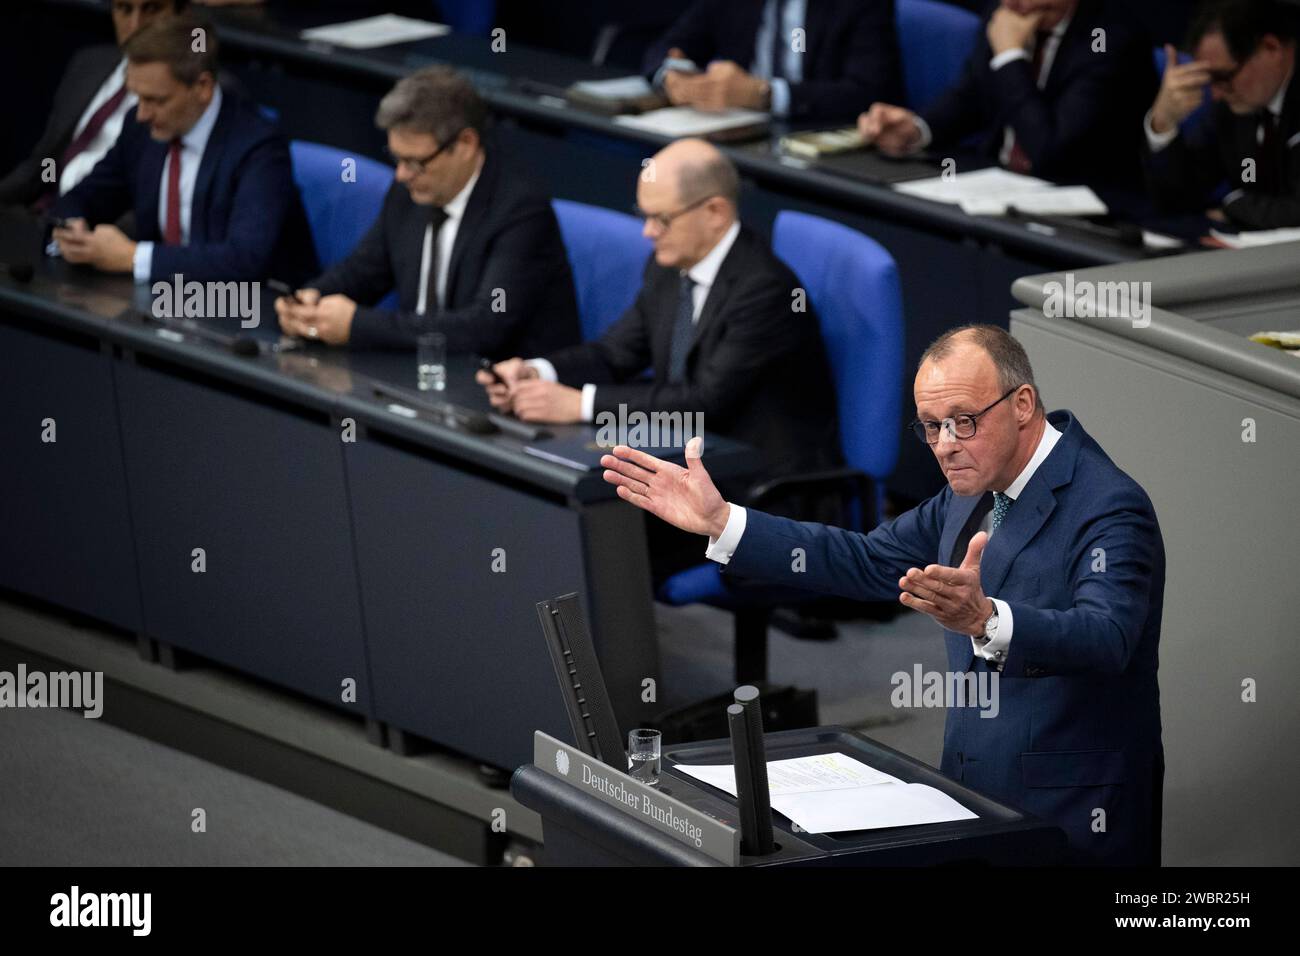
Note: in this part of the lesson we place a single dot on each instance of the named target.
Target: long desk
(954, 268)
(158, 481)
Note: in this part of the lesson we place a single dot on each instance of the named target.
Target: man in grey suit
(89, 106)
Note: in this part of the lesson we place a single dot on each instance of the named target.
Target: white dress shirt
(80, 165)
(193, 145)
(998, 62)
(724, 546)
(704, 273)
(455, 211)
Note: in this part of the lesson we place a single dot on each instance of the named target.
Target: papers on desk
(989, 192)
(678, 121)
(831, 793)
(1258, 237)
(623, 88)
(370, 32)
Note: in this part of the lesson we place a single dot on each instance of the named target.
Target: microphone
(745, 721)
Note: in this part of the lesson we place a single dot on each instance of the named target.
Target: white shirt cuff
(724, 546)
(588, 402)
(1008, 56)
(1157, 141)
(142, 264)
(544, 369)
(780, 96)
(996, 649)
(926, 136)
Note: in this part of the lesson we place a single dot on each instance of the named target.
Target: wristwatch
(991, 625)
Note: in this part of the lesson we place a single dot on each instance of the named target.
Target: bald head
(688, 192)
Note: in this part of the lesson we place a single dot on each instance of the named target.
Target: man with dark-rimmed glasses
(1244, 54)
(1042, 561)
(469, 241)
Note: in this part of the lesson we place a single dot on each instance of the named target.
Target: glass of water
(643, 755)
(431, 361)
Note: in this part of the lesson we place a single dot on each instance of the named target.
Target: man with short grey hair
(470, 243)
(1041, 560)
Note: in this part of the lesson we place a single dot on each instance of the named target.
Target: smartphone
(57, 222)
(680, 65)
(275, 285)
(486, 365)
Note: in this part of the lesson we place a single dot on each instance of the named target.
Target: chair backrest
(935, 40)
(473, 17)
(608, 255)
(340, 208)
(1198, 115)
(853, 284)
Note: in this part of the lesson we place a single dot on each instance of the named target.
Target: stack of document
(831, 793)
(371, 32)
(675, 121)
(990, 192)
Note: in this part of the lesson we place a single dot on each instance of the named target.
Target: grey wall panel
(1227, 511)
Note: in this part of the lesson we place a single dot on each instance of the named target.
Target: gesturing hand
(952, 596)
(684, 497)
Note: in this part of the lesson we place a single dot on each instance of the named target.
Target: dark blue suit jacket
(1084, 126)
(246, 221)
(1078, 728)
(851, 60)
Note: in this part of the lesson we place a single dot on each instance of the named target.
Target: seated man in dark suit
(1005, 560)
(1245, 52)
(801, 59)
(1052, 89)
(87, 114)
(469, 241)
(715, 319)
(207, 177)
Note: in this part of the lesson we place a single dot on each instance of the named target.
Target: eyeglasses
(1223, 78)
(665, 219)
(418, 166)
(959, 426)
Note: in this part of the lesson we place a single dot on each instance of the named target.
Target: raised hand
(684, 497)
(1182, 88)
(952, 596)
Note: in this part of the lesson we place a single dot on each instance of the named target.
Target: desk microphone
(20, 271)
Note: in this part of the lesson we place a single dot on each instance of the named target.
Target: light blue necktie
(1001, 505)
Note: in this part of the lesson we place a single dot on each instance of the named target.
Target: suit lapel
(959, 515)
(207, 169)
(151, 170)
(476, 211)
(1029, 513)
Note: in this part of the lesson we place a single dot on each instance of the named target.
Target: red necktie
(172, 234)
(1018, 161)
(82, 140)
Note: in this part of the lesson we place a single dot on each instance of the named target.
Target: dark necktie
(778, 40)
(1018, 161)
(172, 232)
(683, 331)
(437, 216)
(81, 141)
